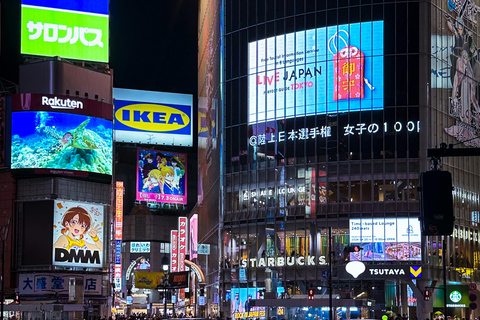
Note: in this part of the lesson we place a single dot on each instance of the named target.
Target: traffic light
(436, 203)
(426, 295)
(17, 298)
(353, 249)
(202, 292)
(311, 294)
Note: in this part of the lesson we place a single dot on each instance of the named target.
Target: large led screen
(152, 117)
(57, 140)
(161, 176)
(78, 234)
(69, 29)
(386, 239)
(318, 71)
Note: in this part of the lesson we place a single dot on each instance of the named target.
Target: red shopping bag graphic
(348, 66)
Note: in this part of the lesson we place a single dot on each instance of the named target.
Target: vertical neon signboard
(118, 236)
(173, 251)
(193, 237)
(182, 242)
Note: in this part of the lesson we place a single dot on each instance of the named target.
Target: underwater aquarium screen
(62, 141)
(161, 176)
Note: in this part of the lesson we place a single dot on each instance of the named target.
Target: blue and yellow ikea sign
(153, 122)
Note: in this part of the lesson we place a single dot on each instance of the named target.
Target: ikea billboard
(66, 28)
(153, 117)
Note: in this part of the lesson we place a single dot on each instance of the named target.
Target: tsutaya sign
(283, 261)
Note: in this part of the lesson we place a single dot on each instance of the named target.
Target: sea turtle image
(80, 138)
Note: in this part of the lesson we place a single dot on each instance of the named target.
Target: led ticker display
(57, 140)
(153, 117)
(386, 239)
(78, 234)
(68, 29)
(161, 176)
(318, 71)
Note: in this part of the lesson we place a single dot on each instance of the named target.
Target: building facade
(328, 110)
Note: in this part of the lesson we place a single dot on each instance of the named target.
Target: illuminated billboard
(78, 234)
(61, 135)
(69, 29)
(153, 117)
(193, 236)
(161, 176)
(319, 71)
(139, 247)
(386, 239)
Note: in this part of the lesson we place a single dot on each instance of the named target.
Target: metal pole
(330, 262)
(2, 297)
(444, 277)
(165, 301)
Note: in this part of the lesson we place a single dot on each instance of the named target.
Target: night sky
(153, 44)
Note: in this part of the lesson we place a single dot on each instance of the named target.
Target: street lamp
(3, 234)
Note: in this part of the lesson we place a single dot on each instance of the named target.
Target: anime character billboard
(78, 234)
(463, 106)
(161, 176)
(318, 71)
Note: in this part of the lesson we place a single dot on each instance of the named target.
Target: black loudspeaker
(436, 203)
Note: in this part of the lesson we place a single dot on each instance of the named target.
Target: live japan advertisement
(318, 71)
(78, 232)
(51, 283)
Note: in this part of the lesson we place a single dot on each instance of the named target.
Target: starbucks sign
(455, 296)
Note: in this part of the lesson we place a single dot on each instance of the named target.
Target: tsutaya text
(326, 131)
(283, 261)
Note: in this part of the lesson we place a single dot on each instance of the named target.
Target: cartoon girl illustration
(167, 186)
(148, 166)
(179, 170)
(76, 222)
(161, 161)
(152, 182)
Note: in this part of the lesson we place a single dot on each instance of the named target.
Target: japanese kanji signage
(182, 242)
(174, 251)
(78, 234)
(69, 29)
(44, 283)
(119, 211)
(117, 275)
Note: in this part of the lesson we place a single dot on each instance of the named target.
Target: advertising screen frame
(68, 217)
(386, 239)
(158, 180)
(91, 140)
(152, 117)
(294, 73)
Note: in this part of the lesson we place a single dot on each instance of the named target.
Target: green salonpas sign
(63, 33)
